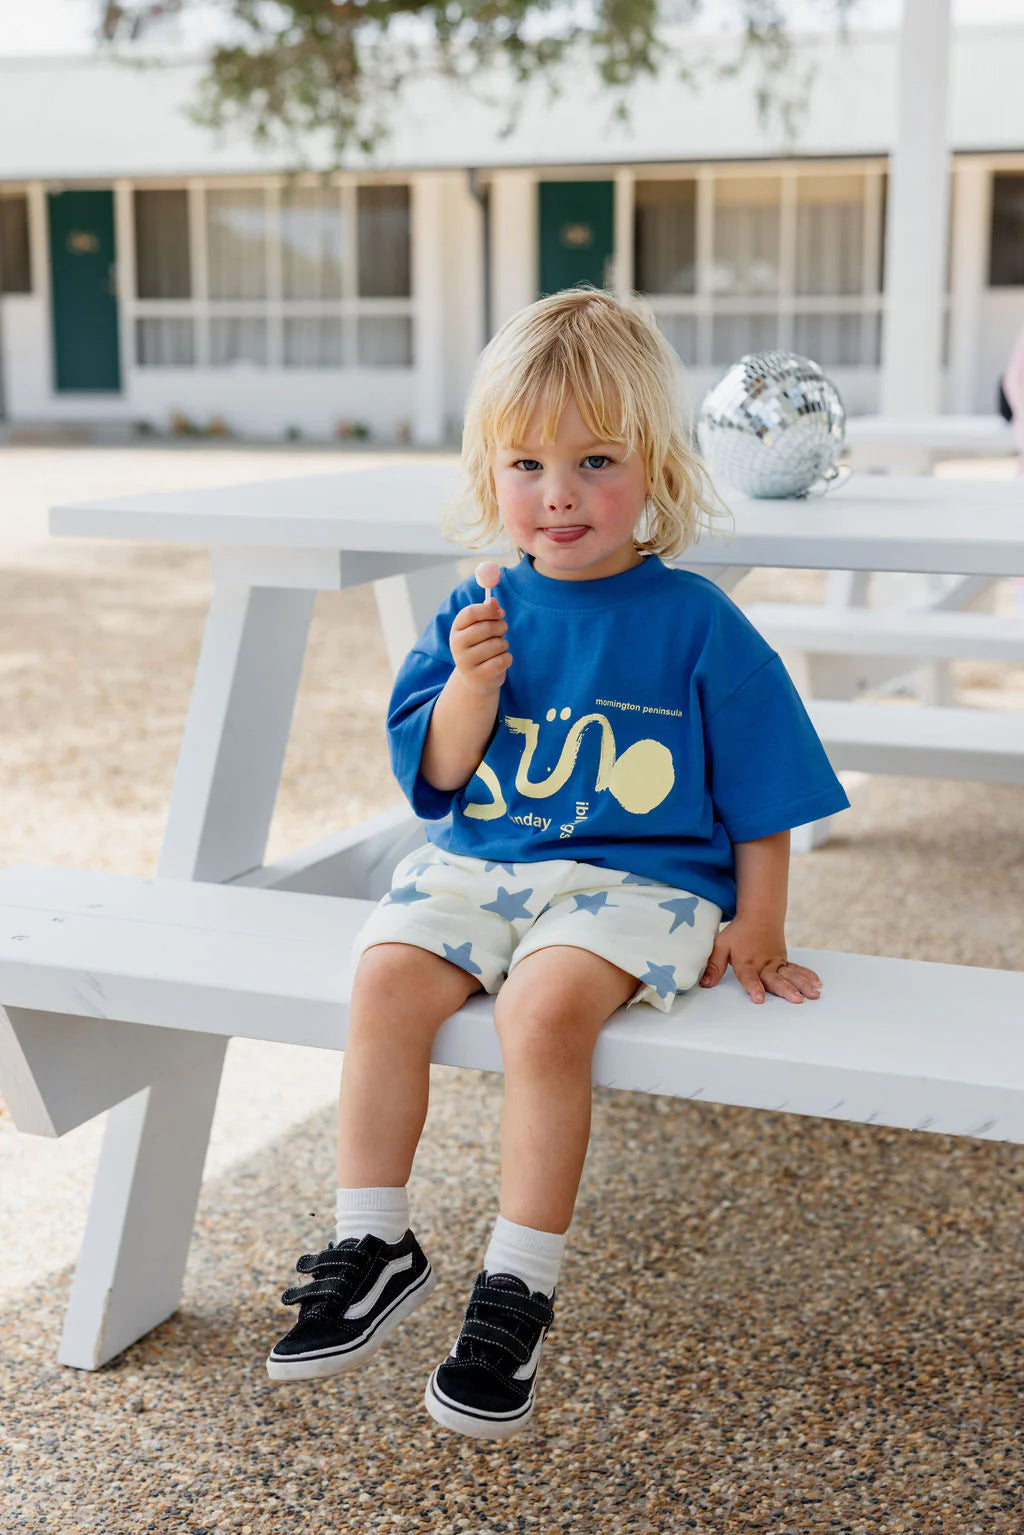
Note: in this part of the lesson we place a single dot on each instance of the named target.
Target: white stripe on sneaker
(526, 1370)
(360, 1308)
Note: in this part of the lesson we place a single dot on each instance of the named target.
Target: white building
(149, 268)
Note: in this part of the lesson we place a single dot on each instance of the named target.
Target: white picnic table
(275, 544)
(912, 444)
(273, 547)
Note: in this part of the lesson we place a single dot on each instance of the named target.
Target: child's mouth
(564, 535)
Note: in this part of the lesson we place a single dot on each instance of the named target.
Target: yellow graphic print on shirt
(639, 780)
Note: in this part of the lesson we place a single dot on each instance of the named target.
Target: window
(15, 263)
(665, 237)
(163, 266)
(236, 238)
(312, 243)
(737, 262)
(1006, 250)
(313, 343)
(747, 256)
(318, 276)
(830, 234)
(384, 254)
(162, 342)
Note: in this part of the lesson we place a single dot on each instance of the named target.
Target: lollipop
(488, 574)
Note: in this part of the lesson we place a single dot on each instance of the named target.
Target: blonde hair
(611, 357)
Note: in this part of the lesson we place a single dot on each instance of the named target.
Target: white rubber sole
(319, 1366)
(476, 1426)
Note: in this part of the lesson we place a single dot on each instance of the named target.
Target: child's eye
(603, 456)
(528, 463)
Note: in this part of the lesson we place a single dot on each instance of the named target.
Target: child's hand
(758, 954)
(479, 647)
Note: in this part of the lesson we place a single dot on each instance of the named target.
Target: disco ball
(774, 425)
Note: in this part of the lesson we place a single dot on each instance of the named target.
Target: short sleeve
(767, 768)
(420, 681)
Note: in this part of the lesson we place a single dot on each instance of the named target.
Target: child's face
(571, 482)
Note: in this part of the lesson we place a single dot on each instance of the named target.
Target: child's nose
(559, 499)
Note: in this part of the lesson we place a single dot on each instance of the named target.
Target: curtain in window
(734, 334)
(830, 234)
(236, 236)
(238, 338)
(385, 341)
(164, 343)
(312, 343)
(833, 340)
(665, 237)
(163, 267)
(746, 235)
(384, 243)
(1006, 251)
(680, 331)
(312, 244)
(15, 265)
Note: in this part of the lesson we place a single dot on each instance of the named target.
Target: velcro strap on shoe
(329, 1262)
(333, 1287)
(491, 1332)
(542, 1312)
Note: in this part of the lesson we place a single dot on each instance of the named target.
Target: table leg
(132, 1262)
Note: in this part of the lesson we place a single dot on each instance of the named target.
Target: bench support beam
(132, 1262)
(60, 1071)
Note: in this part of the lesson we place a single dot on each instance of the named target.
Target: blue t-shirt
(643, 725)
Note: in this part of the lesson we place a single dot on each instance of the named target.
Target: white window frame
(706, 306)
(274, 309)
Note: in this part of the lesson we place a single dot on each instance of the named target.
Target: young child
(610, 762)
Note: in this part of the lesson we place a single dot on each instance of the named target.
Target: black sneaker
(486, 1386)
(361, 1290)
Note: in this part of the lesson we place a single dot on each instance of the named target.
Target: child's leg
(549, 1013)
(401, 994)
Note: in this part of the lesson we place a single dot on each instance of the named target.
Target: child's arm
(762, 879)
(755, 939)
(460, 725)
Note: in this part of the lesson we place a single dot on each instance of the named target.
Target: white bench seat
(105, 979)
(921, 740)
(932, 635)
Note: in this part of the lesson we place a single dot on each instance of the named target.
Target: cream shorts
(485, 917)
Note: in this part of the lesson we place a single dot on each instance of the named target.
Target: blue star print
(682, 910)
(510, 904)
(661, 977)
(404, 895)
(460, 957)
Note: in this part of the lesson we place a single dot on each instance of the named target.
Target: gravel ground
(767, 1323)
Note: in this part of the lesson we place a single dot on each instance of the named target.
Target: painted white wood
(972, 222)
(885, 1043)
(57, 1074)
(428, 423)
(873, 523)
(916, 230)
(880, 442)
(921, 741)
(236, 732)
(357, 861)
(514, 243)
(132, 1261)
(407, 604)
(145, 1192)
(886, 631)
(311, 570)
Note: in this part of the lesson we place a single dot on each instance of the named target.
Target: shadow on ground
(765, 1322)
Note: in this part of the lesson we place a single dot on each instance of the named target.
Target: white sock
(384, 1212)
(535, 1256)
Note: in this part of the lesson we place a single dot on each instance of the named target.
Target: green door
(577, 234)
(82, 256)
